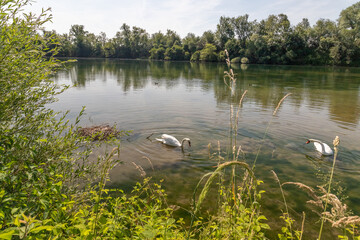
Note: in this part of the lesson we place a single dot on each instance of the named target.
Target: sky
(181, 16)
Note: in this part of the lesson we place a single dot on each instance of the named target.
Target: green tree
(172, 38)
(208, 37)
(243, 28)
(233, 47)
(322, 37)
(176, 52)
(208, 54)
(347, 49)
(190, 43)
(157, 53)
(78, 35)
(224, 31)
(140, 43)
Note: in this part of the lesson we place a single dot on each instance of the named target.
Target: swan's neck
(185, 140)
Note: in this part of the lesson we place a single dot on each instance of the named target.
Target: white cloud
(182, 16)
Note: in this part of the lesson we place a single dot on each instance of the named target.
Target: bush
(39, 170)
(235, 60)
(244, 60)
(195, 57)
(208, 54)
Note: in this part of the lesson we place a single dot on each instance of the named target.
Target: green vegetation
(270, 41)
(49, 189)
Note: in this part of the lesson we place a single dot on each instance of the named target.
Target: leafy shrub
(235, 60)
(244, 60)
(195, 57)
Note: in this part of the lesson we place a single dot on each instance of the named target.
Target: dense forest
(270, 41)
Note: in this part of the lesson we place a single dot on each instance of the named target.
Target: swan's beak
(307, 142)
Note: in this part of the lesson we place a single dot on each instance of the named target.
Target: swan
(172, 141)
(323, 148)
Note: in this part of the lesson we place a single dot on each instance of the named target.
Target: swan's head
(312, 140)
(188, 140)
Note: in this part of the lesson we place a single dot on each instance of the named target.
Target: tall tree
(224, 31)
(243, 28)
(190, 43)
(79, 37)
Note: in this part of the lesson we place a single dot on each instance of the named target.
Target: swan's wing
(318, 147)
(160, 140)
(323, 148)
(170, 140)
(328, 150)
(165, 136)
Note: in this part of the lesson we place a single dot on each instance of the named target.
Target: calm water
(191, 100)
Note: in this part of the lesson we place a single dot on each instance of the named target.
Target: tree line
(270, 41)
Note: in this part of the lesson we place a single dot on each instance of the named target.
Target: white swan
(172, 141)
(323, 148)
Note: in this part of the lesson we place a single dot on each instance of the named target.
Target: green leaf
(17, 222)
(7, 235)
(38, 229)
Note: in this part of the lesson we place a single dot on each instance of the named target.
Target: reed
(206, 188)
(268, 127)
(336, 142)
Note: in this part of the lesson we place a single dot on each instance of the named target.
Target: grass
(41, 169)
(241, 199)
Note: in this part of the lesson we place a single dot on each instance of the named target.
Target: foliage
(235, 60)
(208, 54)
(50, 191)
(35, 149)
(270, 41)
(244, 60)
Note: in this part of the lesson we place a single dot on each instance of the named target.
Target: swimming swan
(323, 148)
(172, 141)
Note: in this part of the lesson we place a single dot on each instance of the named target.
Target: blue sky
(182, 16)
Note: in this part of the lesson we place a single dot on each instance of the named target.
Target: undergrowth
(50, 189)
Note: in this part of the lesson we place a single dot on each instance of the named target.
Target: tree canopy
(273, 40)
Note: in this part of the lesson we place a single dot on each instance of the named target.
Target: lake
(191, 100)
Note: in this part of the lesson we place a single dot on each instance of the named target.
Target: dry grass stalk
(275, 176)
(141, 170)
(279, 104)
(336, 143)
(238, 111)
(347, 221)
(240, 151)
(318, 203)
(149, 162)
(287, 215)
(99, 132)
(302, 226)
(338, 215)
(309, 190)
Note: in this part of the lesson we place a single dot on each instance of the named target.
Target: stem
(329, 189)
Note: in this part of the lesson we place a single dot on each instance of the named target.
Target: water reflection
(336, 89)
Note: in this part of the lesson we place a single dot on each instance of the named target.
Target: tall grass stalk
(282, 192)
(302, 226)
(230, 82)
(206, 188)
(336, 142)
(268, 127)
(284, 199)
